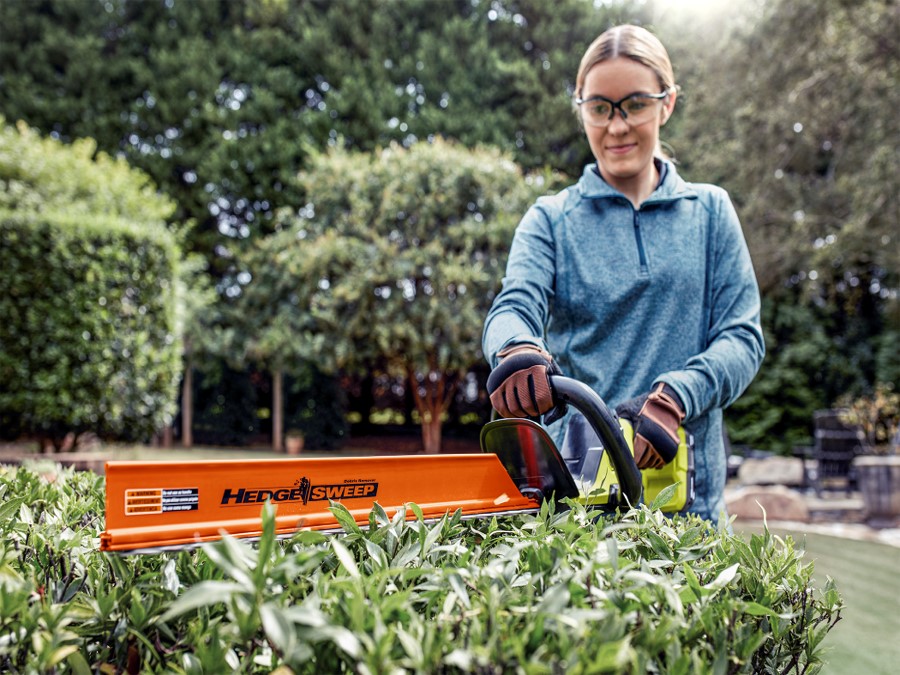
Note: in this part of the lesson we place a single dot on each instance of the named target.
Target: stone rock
(771, 471)
(779, 502)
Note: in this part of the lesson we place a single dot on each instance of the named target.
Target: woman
(633, 281)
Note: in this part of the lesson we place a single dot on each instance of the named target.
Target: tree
(221, 101)
(196, 317)
(206, 97)
(790, 117)
(268, 325)
(799, 138)
(392, 264)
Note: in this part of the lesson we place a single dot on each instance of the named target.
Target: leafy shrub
(877, 414)
(39, 175)
(547, 593)
(87, 293)
(776, 411)
(88, 332)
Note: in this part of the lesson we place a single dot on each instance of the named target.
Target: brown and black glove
(655, 417)
(520, 384)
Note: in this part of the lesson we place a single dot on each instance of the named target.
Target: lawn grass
(867, 639)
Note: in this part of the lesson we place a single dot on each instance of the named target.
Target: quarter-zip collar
(671, 188)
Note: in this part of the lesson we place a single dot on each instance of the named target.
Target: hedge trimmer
(152, 506)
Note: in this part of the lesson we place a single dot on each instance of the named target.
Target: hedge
(87, 339)
(42, 174)
(551, 593)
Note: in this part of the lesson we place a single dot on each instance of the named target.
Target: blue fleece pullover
(624, 298)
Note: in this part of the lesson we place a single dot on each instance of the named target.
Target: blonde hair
(637, 44)
(630, 42)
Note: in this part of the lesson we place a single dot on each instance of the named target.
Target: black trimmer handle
(605, 423)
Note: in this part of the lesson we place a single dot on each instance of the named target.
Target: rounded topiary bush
(551, 593)
(87, 295)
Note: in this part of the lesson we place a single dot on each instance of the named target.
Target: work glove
(655, 417)
(520, 384)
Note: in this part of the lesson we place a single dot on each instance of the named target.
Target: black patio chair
(836, 445)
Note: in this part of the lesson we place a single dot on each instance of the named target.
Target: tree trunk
(187, 404)
(277, 408)
(432, 398)
(431, 435)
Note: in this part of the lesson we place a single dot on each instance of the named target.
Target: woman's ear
(668, 106)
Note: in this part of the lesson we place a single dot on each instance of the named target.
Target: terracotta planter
(879, 483)
(293, 445)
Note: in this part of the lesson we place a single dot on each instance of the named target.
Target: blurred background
(226, 222)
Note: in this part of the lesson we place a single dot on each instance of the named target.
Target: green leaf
(234, 559)
(612, 547)
(555, 600)
(170, 580)
(341, 637)
(756, 609)
(459, 587)
(78, 663)
(751, 644)
(432, 536)
(406, 555)
(612, 657)
(460, 658)
(416, 509)
(278, 627)
(381, 516)
(346, 558)
(376, 554)
(692, 580)
(8, 509)
(266, 544)
(345, 518)
(204, 594)
(664, 496)
(61, 653)
(724, 578)
(309, 538)
(411, 645)
(306, 615)
(25, 514)
(659, 545)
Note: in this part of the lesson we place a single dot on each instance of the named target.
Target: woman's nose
(617, 125)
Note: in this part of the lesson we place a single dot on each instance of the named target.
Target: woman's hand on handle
(520, 384)
(656, 417)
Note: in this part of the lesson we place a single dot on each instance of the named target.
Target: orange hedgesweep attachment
(159, 505)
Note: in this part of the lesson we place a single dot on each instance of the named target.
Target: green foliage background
(783, 103)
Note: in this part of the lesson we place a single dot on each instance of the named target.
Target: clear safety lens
(635, 109)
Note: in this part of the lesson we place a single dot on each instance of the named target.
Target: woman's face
(624, 153)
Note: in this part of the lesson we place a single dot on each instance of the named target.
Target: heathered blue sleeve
(520, 311)
(718, 375)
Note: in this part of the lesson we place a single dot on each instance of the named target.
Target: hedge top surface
(556, 592)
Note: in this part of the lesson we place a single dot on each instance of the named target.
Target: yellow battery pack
(679, 472)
